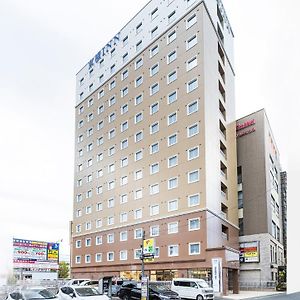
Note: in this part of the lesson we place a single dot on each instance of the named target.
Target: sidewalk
(249, 295)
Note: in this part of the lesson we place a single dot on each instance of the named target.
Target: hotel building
(155, 148)
(259, 202)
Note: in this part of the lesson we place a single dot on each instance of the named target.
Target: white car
(30, 293)
(80, 293)
(77, 281)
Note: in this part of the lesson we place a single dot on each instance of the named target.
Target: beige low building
(156, 149)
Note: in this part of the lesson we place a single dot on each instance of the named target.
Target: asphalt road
(295, 296)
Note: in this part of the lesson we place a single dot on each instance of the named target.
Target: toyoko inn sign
(114, 41)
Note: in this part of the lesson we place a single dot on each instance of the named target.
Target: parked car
(192, 288)
(125, 290)
(91, 283)
(80, 293)
(30, 293)
(156, 292)
(117, 284)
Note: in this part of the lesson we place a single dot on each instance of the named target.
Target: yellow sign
(149, 259)
(251, 254)
(149, 247)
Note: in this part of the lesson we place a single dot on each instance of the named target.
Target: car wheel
(199, 297)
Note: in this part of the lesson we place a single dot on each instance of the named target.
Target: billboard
(249, 252)
(35, 254)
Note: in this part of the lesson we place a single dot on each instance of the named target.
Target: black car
(156, 292)
(125, 290)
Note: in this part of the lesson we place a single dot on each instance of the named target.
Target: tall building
(156, 149)
(283, 188)
(259, 201)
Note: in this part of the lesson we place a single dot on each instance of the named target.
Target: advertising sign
(35, 254)
(249, 252)
(149, 247)
(217, 274)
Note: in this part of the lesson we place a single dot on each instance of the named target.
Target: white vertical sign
(217, 274)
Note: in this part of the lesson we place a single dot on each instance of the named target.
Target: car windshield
(39, 294)
(87, 291)
(159, 288)
(203, 284)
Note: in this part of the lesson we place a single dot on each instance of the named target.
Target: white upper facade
(143, 29)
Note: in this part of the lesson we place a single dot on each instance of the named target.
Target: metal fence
(255, 286)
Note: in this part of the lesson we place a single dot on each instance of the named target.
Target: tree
(64, 269)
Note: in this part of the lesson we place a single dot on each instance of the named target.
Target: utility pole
(142, 255)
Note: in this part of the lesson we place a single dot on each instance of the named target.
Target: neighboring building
(283, 187)
(259, 201)
(156, 149)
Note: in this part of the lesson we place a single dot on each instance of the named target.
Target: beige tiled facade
(155, 152)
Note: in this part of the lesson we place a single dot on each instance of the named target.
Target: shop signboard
(35, 254)
(249, 252)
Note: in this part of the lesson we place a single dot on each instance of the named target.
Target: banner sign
(249, 252)
(217, 274)
(35, 254)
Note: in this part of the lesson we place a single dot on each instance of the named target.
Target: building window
(154, 189)
(110, 238)
(154, 69)
(171, 16)
(124, 108)
(139, 63)
(123, 255)
(112, 101)
(193, 153)
(172, 97)
(154, 210)
(173, 250)
(113, 68)
(192, 85)
(172, 118)
(194, 248)
(172, 139)
(123, 198)
(154, 230)
(138, 28)
(138, 99)
(154, 148)
(172, 227)
(138, 46)
(124, 180)
(124, 126)
(137, 253)
(124, 91)
(138, 214)
(124, 74)
(98, 257)
(110, 220)
(88, 225)
(125, 40)
(138, 136)
(138, 194)
(123, 217)
(192, 63)
(154, 128)
(171, 37)
(193, 130)
(110, 256)
(138, 233)
(154, 89)
(192, 107)
(138, 155)
(171, 56)
(154, 168)
(154, 50)
(124, 162)
(124, 144)
(138, 117)
(111, 185)
(154, 108)
(88, 242)
(172, 183)
(138, 81)
(194, 224)
(123, 236)
(111, 134)
(113, 52)
(172, 205)
(99, 206)
(172, 77)
(191, 42)
(78, 259)
(138, 175)
(99, 240)
(172, 161)
(154, 13)
(191, 21)
(154, 32)
(87, 258)
(193, 176)
(193, 200)
(98, 223)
